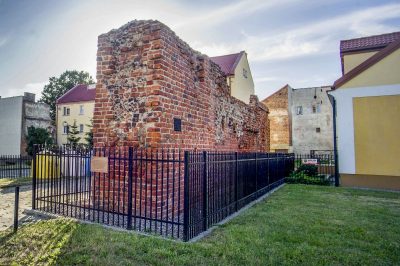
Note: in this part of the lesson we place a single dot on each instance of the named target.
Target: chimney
(29, 97)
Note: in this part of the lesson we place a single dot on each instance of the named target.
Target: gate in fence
(167, 192)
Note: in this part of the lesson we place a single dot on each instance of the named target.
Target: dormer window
(244, 73)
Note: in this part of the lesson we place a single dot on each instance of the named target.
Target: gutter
(335, 152)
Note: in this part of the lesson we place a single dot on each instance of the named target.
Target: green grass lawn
(298, 224)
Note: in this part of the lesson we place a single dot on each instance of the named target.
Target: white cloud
(35, 88)
(314, 38)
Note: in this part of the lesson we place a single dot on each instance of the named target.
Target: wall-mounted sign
(309, 161)
(99, 164)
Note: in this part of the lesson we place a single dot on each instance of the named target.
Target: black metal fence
(166, 192)
(314, 169)
(14, 166)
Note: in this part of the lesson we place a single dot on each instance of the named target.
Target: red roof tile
(228, 63)
(79, 93)
(370, 42)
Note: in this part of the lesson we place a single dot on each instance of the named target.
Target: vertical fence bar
(130, 170)
(34, 179)
(16, 207)
(205, 194)
(186, 198)
(236, 180)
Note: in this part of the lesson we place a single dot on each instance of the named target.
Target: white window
(299, 110)
(81, 110)
(244, 73)
(66, 129)
(66, 111)
(81, 128)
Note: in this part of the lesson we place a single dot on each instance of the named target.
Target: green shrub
(307, 174)
(308, 169)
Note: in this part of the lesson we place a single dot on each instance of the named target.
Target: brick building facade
(153, 90)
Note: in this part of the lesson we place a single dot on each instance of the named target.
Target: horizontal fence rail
(171, 193)
(15, 166)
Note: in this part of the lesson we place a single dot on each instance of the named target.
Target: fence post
(130, 184)
(20, 165)
(34, 170)
(16, 207)
(256, 174)
(236, 180)
(186, 198)
(205, 194)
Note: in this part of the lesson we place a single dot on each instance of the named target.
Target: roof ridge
(371, 36)
(226, 54)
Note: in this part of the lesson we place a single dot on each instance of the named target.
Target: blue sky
(287, 41)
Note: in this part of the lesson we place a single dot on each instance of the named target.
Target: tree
(73, 133)
(89, 135)
(59, 85)
(37, 136)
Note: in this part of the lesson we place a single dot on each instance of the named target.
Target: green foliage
(307, 174)
(59, 85)
(73, 133)
(89, 135)
(37, 136)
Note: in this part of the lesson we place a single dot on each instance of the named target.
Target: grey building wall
(10, 125)
(305, 126)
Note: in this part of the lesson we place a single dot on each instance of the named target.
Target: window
(316, 108)
(81, 110)
(177, 124)
(299, 110)
(66, 111)
(244, 73)
(81, 128)
(66, 129)
(318, 130)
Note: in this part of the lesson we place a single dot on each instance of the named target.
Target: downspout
(335, 153)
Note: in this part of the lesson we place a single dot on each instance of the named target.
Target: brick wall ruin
(147, 81)
(147, 77)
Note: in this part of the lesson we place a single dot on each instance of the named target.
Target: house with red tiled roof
(75, 106)
(238, 75)
(367, 102)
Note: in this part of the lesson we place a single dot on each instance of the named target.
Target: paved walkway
(7, 197)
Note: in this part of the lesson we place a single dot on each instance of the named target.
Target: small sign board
(310, 161)
(99, 164)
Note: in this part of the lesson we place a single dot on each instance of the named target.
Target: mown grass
(11, 182)
(299, 224)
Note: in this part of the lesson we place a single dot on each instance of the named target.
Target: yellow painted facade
(384, 72)
(350, 61)
(370, 181)
(242, 84)
(82, 112)
(376, 135)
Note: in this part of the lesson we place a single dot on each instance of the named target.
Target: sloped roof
(369, 43)
(367, 63)
(79, 93)
(228, 62)
(275, 93)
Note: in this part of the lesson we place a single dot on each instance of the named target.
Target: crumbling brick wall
(147, 76)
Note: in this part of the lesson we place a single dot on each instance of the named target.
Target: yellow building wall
(350, 61)
(377, 135)
(241, 87)
(384, 72)
(84, 119)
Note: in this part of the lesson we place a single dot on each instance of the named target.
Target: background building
(300, 120)
(77, 104)
(238, 75)
(17, 114)
(368, 112)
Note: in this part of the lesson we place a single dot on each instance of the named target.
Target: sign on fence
(99, 164)
(310, 161)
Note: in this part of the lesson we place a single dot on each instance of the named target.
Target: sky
(287, 41)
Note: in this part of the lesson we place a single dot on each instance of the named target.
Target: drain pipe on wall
(335, 153)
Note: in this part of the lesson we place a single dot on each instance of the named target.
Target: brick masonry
(279, 120)
(147, 78)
